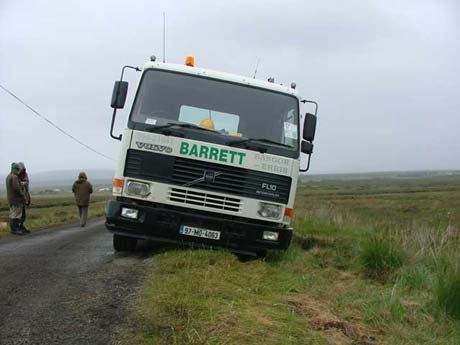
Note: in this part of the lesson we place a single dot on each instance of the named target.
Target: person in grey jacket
(82, 189)
(16, 199)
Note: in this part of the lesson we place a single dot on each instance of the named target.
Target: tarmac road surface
(66, 286)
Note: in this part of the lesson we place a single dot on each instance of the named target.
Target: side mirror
(120, 90)
(309, 127)
(306, 147)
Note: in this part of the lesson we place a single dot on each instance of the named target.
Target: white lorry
(208, 158)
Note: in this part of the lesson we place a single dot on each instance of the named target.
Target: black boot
(11, 224)
(15, 227)
(24, 229)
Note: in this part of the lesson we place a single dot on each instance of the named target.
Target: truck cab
(207, 159)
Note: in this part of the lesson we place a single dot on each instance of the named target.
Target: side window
(222, 122)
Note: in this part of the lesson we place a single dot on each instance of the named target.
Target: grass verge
(51, 210)
(316, 292)
(203, 297)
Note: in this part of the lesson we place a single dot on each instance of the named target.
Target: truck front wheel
(123, 243)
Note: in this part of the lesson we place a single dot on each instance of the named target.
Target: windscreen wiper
(252, 140)
(183, 125)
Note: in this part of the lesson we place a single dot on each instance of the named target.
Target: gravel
(66, 286)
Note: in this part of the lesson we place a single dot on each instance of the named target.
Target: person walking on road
(24, 179)
(82, 189)
(16, 199)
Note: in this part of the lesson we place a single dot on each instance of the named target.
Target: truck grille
(190, 173)
(204, 199)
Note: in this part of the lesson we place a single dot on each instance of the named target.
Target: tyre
(123, 243)
(261, 254)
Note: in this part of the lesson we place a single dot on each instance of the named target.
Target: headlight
(129, 213)
(270, 210)
(270, 235)
(138, 188)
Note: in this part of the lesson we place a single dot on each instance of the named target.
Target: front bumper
(161, 223)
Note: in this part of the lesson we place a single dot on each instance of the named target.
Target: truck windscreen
(232, 110)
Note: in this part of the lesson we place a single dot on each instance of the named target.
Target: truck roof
(234, 78)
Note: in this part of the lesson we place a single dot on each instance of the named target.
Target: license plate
(199, 232)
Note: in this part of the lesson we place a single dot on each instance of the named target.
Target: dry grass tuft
(337, 331)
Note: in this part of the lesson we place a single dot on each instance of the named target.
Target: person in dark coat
(16, 199)
(82, 189)
(24, 179)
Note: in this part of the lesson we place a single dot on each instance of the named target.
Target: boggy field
(373, 261)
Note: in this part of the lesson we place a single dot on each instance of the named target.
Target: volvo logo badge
(209, 176)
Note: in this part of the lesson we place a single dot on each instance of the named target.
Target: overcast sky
(386, 73)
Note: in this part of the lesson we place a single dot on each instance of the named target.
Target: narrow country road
(65, 286)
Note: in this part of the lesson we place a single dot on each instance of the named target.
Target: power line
(53, 124)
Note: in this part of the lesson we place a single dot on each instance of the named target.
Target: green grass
(320, 291)
(380, 257)
(223, 301)
(447, 288)
(54, 209)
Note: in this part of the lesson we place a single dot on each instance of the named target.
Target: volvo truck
(208, 159)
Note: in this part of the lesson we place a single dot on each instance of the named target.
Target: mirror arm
(111, 126)
(312, 102)
(308, 164)
(137, 69)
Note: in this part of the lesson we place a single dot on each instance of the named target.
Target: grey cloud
(385, 73)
